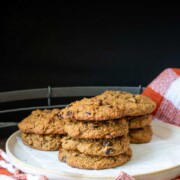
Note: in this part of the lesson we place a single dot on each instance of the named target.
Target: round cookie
(135, 104)
(139, 121)
(96, 129)
(93, 109)
(42, 122)
(82, 161)
(141, 135)
(42, 142)
(139, 105)
(98, 147)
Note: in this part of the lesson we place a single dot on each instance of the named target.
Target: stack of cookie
(42, 130)
(138, 109)
(97, 135)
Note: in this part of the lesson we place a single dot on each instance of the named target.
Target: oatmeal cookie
(96, 129)
(141, 135)
(135, 104)
(94, 109)
(99, 147)
(42, 122)
(83, 161)
(139, 121)
(42, 142)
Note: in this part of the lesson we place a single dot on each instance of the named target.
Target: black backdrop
(76, 44)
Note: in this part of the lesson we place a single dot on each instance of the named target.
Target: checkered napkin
(9, 172)
(165, 91)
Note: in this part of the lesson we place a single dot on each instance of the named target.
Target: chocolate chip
(107, 143)
(59, 115)
(110, 106)
(68, 113)
(108, 151)
(88, 113)
(64, 159)
(100, 102)
(94, 126)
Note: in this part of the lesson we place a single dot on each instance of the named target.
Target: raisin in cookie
(42, 122)
(141, 135)
(42, 142)
(99, 147)
(96, 129)
(139, 121)
(83, 161)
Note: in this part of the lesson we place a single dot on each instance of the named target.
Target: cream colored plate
(157, 160)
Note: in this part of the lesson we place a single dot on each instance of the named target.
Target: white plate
(157, 160)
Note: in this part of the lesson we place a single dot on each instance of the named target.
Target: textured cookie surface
(141, 135)
(135, 104)
(96, 129)
(109, 105)
(42, 142)
(42, 122)
(82, 161)
(93, 109)
(99, 147)
(139, 121)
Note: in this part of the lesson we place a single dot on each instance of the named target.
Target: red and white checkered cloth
(165, 91)
(9, 172)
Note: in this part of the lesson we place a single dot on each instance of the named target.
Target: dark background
(86, 44)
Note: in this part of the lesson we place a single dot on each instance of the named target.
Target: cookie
(83, 161)
(42, 122)
(135, 104)
(141, 135)
(94, 109)
(96, 129)
(42, 142)
(98, 147)
(139, 121)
